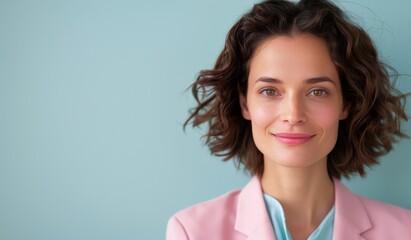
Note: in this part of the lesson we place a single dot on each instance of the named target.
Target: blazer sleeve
(175, 230)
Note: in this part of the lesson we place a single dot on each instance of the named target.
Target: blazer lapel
(351, 218)
(252, 218)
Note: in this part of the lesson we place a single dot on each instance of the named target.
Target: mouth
(293, 138)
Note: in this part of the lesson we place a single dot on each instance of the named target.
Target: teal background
(92, 101)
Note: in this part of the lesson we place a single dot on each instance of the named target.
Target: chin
(296, 162)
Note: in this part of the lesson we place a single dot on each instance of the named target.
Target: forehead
(298, 56)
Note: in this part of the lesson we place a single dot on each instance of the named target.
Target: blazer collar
(252, 217)
(351, 217)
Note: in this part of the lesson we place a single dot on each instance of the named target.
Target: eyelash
(266, 90)
(324, 92)
(274, 92)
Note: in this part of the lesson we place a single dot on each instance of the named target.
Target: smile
(293, 138)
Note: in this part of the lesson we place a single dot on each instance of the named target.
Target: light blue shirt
(277, 217)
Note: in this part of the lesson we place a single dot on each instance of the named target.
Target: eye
(318, 93)
(269, 92)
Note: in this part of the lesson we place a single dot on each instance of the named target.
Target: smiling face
(293, 100)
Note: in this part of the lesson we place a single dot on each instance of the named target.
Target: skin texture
(294, 103)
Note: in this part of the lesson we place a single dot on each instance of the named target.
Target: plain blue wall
(92, 103)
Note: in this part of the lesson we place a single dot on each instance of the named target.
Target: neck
(306, 194)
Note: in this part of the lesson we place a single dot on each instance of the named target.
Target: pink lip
(294, 138)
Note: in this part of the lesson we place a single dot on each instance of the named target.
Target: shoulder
(207, 210)
(374, 219)
(216, 215)
(385, 215)
(388, 221)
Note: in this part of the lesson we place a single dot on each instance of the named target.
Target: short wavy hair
(375, 107)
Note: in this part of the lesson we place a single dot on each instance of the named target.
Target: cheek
(327, 117)
(262, 115)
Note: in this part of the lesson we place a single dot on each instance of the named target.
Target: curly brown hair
(375, 107)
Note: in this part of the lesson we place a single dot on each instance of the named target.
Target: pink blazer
(241, 215)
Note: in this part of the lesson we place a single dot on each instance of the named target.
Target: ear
(244, 107)
(344, 113)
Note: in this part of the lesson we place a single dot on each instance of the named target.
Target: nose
(293, 110)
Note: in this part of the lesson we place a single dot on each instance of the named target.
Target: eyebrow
(308, 81)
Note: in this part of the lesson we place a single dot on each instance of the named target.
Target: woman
(300, 98)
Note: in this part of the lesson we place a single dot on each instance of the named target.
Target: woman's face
(294, 100)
